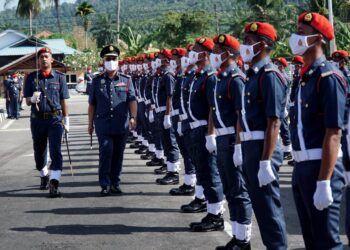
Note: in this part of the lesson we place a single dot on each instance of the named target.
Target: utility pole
(216, 20)
(118, 20)
(333, 45)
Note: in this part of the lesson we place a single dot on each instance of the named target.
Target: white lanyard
(217, 111)
(300, 123)
(182, 99)
(244, 118)
(189, 102)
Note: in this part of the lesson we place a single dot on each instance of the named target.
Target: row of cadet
(13, 86)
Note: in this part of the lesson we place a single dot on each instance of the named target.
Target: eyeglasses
(110, 59)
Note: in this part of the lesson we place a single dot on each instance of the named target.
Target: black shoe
(287, 156)
(171, 178)
(161, 170)
(210, 222)
(235, 244)
(291, 163)
(116, 190)
(130, 139)
(136, 144)
(105, 191)
(142, 150)
(184, 190)
(155, 162)
(148, 156)
(195, 206)
(54, 191)
(44, 181)
(21, 109)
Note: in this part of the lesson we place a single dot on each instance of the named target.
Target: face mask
(246, 67)
(299, 44)
(158, 62)
(193, 56)
(100, 69)
(185, 62)
(173, 64)
(145, 66)
(247, 52)
(215, 60)
(111, 65)
(139, 67)
(153, 65)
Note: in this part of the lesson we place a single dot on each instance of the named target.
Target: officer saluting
(46, 91)
(111, 100)
(318, 179)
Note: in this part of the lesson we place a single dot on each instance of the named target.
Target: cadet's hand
(132, 123)
(179, 128)
(90, 129)
(237, 155)
(265, 173)
(151, 116)
(167, 122)
(210, 143)
(36, 97)
(323, 195)
(66, 123)
(347, 178)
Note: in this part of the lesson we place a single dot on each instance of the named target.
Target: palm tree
(27, 9)
(84, 10)
(57, 8)
(104, 30)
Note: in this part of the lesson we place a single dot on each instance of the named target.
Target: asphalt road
(146, 217)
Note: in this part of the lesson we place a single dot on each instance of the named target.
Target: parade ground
(145, 217)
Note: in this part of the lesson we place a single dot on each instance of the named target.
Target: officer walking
(88, 76)
(318, 177)
(111, 100)
(13, 93)
(263, 103)
(46, 92)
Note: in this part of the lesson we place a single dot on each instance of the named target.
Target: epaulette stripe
(211, 73)
(328, 73)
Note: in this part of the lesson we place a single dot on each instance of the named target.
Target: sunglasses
(110, 59)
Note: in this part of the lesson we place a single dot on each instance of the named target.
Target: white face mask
(216, 60)
(247, 52)
(158, 62)
(111, 65)
(173, 64)
(185, 62)
(299, 44)
(145, 66)
(139, 67)
(153, 65)
(100, 69)
(193, 56)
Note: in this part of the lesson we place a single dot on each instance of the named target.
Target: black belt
(45, 115)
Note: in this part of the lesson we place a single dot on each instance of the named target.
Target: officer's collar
(316, 64)
(191, 71)
(206, 68)
(50, 74)
(225, 72)
(257, 66)
(116, 76)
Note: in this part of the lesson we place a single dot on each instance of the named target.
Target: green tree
(27, 9)
(135, 43)
(104, 30)
(84, 10)
(265, 9)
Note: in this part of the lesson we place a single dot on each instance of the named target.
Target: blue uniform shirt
(264, 95)
(176, 100)
(165, 88)
(226, 99)
(111, 97)
(148, 89)
(185, 93)
(55, 86)
(322, 105)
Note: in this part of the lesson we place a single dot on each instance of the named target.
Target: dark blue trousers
(265, 200)
(284, 132)
(139, 123)
(184, 148)
(111, 148)
(207, 173)
(346, 164)
(320, 228)
(43, 130)
(233, 182)
(157, 131)
(171, 149)
(142, 120)
(13, 106)
(149, 128)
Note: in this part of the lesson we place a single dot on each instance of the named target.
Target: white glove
(150, 116)
(237, 155)
(36, 97)
(285, 113)
(167, 122)
(179, 128)
(210, 143)
(323, 195)
(66, 123)
(265, 173)
(347, 178)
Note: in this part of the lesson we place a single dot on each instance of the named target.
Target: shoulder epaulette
(59, 72)
(328, 73)
(210, 73)
(125, 75)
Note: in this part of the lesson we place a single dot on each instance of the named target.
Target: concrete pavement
(146, 217)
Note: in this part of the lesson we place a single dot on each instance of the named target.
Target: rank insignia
(253, 27)
(308, 17)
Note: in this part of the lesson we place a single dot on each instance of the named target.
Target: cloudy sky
(15, 2)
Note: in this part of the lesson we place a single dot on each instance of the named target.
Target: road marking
(3, 129)
(29, 155)
(228, 228)
(7, 124)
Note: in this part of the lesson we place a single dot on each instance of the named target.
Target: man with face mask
(188, 187)
(263, 103)
(225, 102)
(341, 58)
(318, 177)
(88, 76)
(202, 84)
(13, 95)
(112, 112)
(164, 94)
(46, 92)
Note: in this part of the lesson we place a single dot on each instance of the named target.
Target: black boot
(210, 222)
(136, 144)
(142, 150)
(148, 156)
(161, 170)
(235, 244)
(171, 178)
(287, 156)
(44, 181)
(105, 191)
(116, 190)
(155, 162)
(184, 190)
(195, 206)
(291, 163)
(54, 191)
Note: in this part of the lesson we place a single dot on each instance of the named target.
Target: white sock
(243, 232)
(55, 175)
(190, 179)
(199, 190)
(44, 172)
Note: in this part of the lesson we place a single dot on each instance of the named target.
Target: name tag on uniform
(121, 84)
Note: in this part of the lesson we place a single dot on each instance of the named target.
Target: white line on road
(7, 125)
(28, 129)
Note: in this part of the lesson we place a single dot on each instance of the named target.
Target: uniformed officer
(164, 95)
(187, 188)
(263, 103)
(319, 110)
(46, 92)
(225, 102)
(13, 93)
(88, 76)
(111, 100)
(207, 174)
(341, 58)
